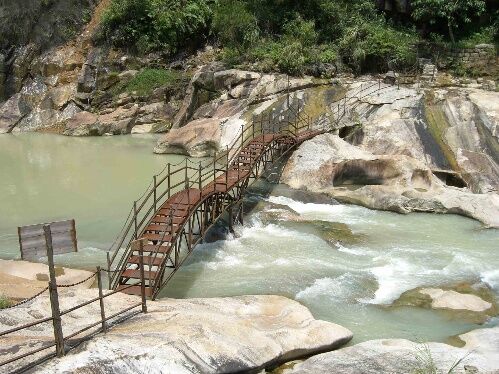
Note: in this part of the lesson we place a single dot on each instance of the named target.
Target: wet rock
(246, 333)
(454, 300)
(473, 303)
(396, 356)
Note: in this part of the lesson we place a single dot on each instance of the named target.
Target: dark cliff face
(39, 24)
(44, 22)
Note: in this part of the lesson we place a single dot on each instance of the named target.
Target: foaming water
(350, 284)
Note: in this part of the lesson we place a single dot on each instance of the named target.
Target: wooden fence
(61, 341)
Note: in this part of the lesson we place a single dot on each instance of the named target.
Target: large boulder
(117, 122)
(480, 354)
(219, 335)
(200, 138)
(453, 129)
(328, 164)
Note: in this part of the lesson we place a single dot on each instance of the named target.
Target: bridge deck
(170, 218)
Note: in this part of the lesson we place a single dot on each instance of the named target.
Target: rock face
(328, 164)
(221, 335)
(452, 130)
(479, 355)
(30, 27)
(219, 102)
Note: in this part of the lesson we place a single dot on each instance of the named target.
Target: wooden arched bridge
(185, 200)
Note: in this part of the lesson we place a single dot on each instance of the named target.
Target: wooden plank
(32, 239)
(55, 227)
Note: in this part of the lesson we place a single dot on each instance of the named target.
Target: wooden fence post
(101, 300)
(54, 297)
(108, 269)
(142, 277)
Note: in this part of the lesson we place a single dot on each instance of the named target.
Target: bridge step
(148, 260)
(161, 219)
(164, 248)
(160, 228)
(159, 237)
(135, 274)
(135, 290)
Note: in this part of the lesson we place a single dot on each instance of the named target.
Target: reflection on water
(46, 177)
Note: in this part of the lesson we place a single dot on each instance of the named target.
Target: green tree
(452, 11)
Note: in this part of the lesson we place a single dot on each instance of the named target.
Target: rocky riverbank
(235, 334)
(408, 150)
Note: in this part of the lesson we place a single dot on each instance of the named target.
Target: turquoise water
(94, 180)
(45, 178)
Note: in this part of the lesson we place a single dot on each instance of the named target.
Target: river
(94, 180)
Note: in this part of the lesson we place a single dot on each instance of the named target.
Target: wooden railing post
(186, 178)
(200, 181)
(101, 300)
(227, 169)
(214, 171)
(108, 270)
(142, 277)
(169, 180)
(135, 219)
(154, 192)
(242, 136)
(54, 296)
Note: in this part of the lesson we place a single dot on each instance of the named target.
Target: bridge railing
(187, 175)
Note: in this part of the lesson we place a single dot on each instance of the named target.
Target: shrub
(235, 26)
(149, 79)
(4, 302)
(147, 25)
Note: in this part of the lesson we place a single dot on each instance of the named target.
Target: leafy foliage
(454, 12)
(286, 35)
(157, 24)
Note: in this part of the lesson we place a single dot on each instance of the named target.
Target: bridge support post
(241, 212)
(231, 221)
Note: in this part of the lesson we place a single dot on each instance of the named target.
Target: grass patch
(4, 302)
(147, 80)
